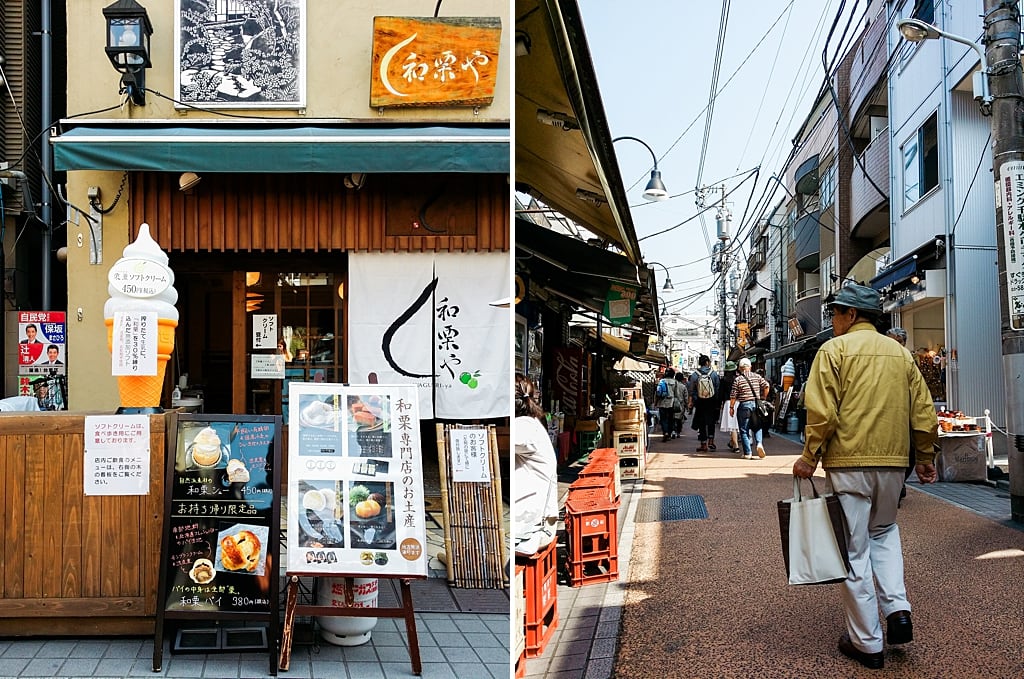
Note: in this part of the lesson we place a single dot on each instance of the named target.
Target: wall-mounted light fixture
(523, 44)
(668, 287)
(128, 32)
(557, 119)
(354, 180)
(187, 181)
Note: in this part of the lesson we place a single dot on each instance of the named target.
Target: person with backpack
(664, 400)
(703, 392)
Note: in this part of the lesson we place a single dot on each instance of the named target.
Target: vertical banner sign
(1011, 191)
(134, 345)
(619, 303)
(116, 455)
(355, 481)
(470, 461)
(567, 384)
(264, 331)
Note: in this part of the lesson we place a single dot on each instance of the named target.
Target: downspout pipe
(46, 106)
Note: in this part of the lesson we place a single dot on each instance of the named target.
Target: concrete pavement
(708, 597)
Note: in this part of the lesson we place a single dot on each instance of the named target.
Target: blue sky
(655, 63)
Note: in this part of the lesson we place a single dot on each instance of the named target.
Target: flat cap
(860, 297)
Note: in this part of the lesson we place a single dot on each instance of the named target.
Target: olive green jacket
(865, 399)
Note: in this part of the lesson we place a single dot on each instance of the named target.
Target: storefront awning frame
(312, 147)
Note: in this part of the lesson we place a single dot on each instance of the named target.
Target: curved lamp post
(915, 30)
(655, 189)
(668, 287)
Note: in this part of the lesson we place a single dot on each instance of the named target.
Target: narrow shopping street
(708, 597)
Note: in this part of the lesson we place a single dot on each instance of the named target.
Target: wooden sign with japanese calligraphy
(221, 537)
(355, 481)
(422, 61)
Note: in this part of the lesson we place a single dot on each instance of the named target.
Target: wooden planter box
(71, 564)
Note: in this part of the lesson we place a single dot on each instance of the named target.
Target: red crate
(521, 666)
(540, 587)
(592, 530)
(590, 571)
(603, 484)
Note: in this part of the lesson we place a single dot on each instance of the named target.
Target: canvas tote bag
(813, 533)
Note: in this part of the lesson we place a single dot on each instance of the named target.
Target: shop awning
(896, 273)
(171, 146)
(621, 346)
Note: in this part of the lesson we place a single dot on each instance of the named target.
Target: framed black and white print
(240, 53)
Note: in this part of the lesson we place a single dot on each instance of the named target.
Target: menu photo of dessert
(371, 514)
(320, 424)
(206, 445)
(242, 548)
(320, 516)
(369, 426)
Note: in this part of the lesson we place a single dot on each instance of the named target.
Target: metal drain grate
(676, 508)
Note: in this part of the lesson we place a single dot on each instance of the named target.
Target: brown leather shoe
(901, 629)
(872, 661)
(702, 448)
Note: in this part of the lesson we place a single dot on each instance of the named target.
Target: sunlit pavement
(708, 597)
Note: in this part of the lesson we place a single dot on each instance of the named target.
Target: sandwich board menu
(221, 537)
(355, 481)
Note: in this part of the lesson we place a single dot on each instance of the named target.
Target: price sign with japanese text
(470, 454)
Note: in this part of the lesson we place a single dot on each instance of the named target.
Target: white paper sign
(267, 367)
(116, 455)
(264, 331)
(134, 344)
(470, 455)
(1011, 191)
(355, 480)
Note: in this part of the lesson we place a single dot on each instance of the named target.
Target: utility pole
(720, 265)
(1005, 79)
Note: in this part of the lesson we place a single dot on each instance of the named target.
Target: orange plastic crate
(590, 571)
(540, 587)
(592, 531)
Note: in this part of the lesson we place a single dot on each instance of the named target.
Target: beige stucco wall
(338, 38)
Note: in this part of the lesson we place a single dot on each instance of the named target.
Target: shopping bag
(813, 531)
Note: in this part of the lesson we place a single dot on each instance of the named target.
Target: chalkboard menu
(221, 536)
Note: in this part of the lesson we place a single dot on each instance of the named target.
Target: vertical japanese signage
(221, 533)
(116, 455)
(134, 343)
(470, 454)
(41, 343)
(355, 481)
(264, 331)
(1010, 191)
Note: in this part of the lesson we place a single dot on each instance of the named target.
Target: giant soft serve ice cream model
(141, 282)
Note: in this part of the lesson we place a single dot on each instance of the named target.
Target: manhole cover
(676, 508)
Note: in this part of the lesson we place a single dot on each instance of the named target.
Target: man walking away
(682, 399)
(703, 390)
(664, 400)
(866, 401)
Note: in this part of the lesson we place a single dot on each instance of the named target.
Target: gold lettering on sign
(449, 61)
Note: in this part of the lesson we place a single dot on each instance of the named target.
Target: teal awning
(277, 148)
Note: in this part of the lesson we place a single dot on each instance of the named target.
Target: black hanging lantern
(128, 32)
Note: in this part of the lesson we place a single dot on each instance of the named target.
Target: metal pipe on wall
(46, 109)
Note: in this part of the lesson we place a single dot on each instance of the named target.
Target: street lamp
(668, 278)
(655, 187)
(915, 30)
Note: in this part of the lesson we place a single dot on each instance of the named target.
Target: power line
(723, 24)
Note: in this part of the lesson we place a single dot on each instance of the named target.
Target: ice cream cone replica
(141, 283)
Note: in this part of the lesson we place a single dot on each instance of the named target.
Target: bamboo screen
(474, 535)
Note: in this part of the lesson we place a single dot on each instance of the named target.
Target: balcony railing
(865, 199)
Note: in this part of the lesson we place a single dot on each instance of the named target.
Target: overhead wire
(716, 69)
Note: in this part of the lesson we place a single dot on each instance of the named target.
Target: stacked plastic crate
(519, 613)
(591, 521)
(629, 437)
(540, 591)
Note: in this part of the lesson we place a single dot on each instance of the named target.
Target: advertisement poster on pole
(1010, 193)
(355, 480)
(41, 343)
